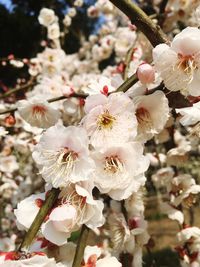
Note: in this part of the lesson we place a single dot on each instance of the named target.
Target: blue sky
(6, 3)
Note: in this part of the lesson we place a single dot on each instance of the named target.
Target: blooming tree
(95, 137)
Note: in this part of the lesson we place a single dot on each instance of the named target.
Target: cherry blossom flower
(179, 63)
(120, 170)
(67, 21)
(91, 255)
(163, 177)
(172, 212)
(129, 238)
(184, 190)
(102, 85)
(124, 41)
(190, 115)
(8, 164)
(109, 120)
(188, 233)
(53, 31)
(38, 113)
(77, 207)
(62, 155)
(29, 206)
(46, 16)
(148, 108)
(16, 259)
(178, 156)
(78, 3)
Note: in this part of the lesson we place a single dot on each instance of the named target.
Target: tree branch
(35, 226)
(127, 62)
(14, 90)
(49, 101)
(122, 88)
(163, 5)
(81, 246)
(137, 16)
(162, 15)
(127, 84)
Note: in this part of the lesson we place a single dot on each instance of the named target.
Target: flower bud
(146, 73)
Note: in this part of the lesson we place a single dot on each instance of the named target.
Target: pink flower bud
(146, 73)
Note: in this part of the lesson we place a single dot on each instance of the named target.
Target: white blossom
(46, 16)
(62, 155)
(109, 120)
(91, 255)
(152, 112)
(53, 31)
(179, 63)
(77, 207)
(38, 112)
(8, 164)
(27, 209)
(184, 189)
(34, 261)
(102, 85)
(120, 170)
(172, 213)
(190, 115)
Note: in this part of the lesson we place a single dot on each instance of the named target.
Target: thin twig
(127, 62)
(140, 19)
(81, 246)
(21, 88)
(122, 88)
(127, 84)
(49, 101)
(162, 15)
(163, 5)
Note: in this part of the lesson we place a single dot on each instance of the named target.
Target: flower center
(105, 121)
(60, 163)
(143, 117)
(177, 189)
(51, 58)
(113, 164)
(68, 155)
(190, 200)
(39, 110)
(51, 69)
(187, 63)
(77, 201)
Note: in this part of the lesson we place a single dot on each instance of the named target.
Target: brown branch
(49, 101)
(81, 246)
(122, 88)
(35, 226)
(139, 18)
(127, 84)
(21, 88)
(162, 15)
(163, 5)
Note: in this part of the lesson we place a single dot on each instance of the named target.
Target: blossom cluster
(77, 132)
